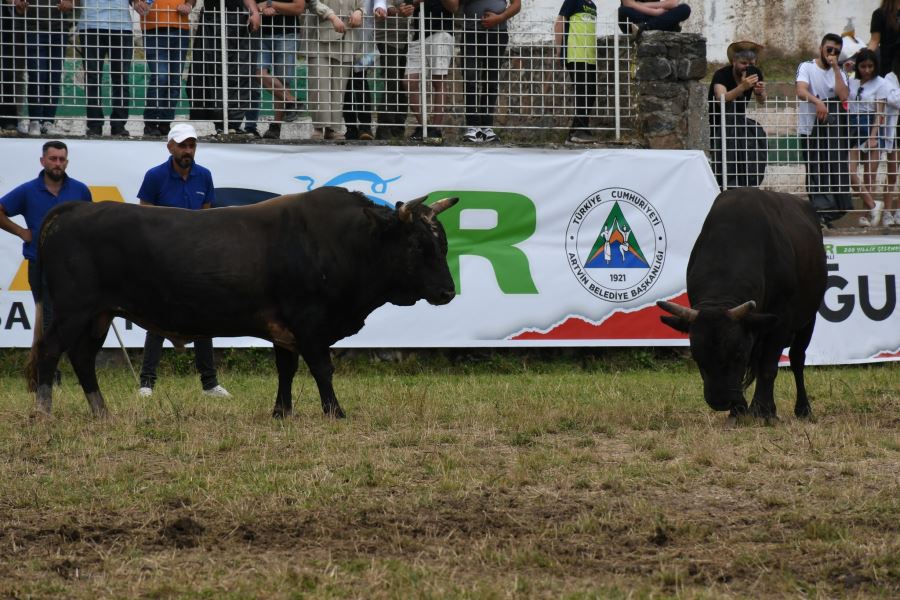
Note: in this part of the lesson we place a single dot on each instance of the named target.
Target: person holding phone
(730, 92)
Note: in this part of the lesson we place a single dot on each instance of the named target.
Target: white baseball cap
(181, 132)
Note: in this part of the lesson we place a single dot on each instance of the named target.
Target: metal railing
(105, 69)
(845, 162)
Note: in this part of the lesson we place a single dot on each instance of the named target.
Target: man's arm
(804, 94)
(559, 29)
(254, 19)
(6, 224)
(451, 5)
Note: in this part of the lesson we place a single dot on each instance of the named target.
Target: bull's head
(722, 343)
(425, 273)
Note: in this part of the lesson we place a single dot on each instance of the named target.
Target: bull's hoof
(803, 411)
(335, 412)
(282, 413)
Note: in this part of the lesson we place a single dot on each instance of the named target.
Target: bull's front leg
(286, 362)
(802, 408)
(763, 403)
(322, 369)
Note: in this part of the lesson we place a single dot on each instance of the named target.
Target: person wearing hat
(179, 183)
(736, 83)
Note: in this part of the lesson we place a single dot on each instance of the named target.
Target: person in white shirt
(867, 96)
(824, 87)
(891, 214)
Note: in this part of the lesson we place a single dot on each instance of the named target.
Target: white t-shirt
(821, 85)
(864, 97)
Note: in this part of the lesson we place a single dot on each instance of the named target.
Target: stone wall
(669, 98)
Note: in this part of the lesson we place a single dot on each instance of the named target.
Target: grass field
(591, 476)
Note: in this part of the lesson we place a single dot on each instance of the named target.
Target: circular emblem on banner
(616, 244)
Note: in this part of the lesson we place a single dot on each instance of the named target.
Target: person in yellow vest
(575, 32)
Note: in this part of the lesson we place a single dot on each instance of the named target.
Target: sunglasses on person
(832, 50)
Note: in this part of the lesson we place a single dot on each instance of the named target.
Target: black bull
(302, 271)
(755, 280)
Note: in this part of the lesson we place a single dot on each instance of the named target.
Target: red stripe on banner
(637, 325)
(888, 355)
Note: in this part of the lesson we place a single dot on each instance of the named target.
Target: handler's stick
(125, 352)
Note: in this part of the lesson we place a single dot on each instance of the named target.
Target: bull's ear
(676, 323)
(761, 321)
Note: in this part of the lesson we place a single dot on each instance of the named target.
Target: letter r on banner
(516, 222)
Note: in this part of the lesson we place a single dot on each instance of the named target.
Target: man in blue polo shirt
(179, 183)
(33, 200)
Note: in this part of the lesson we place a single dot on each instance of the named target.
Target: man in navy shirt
(33, 200)
(179, 183)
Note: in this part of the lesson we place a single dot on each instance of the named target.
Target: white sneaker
(888, 220)
(473, 135)
(34, 128)
(22, 127)
(217, 392)
(489, 135)
(145, 392)
(865, 222)
(875, 213)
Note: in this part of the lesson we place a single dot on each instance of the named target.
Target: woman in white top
(867, 100)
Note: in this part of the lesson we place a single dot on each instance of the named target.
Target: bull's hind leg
(797, 354)
(319, 363)
(44, 361)
(286, 361)
(83, 356)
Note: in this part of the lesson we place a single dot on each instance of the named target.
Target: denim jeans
(44, 61)
(116, 45)
(166, 49)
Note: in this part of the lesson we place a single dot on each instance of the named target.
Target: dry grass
(569, 481)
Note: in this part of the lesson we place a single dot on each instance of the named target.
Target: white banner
(547, 247)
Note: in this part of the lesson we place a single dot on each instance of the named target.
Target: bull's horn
(443, 204)
(404, 209)
(739, 312)
(683, 312)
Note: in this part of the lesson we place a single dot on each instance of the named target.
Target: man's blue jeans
(44, 61)
(166, 49)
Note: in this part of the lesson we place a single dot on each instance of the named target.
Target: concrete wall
(788, 27)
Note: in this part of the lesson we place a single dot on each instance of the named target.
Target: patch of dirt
(183, 532)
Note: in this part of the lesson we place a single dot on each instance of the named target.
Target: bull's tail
(31, 365)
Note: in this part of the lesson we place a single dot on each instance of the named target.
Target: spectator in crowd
(279, 34)
(33, 200)
(358, 93)
(330, 62)
(391, 38)
(179, 183)
(885, 33)
(867, 95)
(891, 214)
(575, 33)
(166, 36)
(485, 39)
(438, 55)
(204, 89)
(46, 25)
(735, 84)
(822, 88)
(105, 34)
(11, 46)
(638, 16)
(850, 45)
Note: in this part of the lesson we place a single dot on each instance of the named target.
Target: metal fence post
(423, 87)
(223, 67)
(724, 141)
(617, 101)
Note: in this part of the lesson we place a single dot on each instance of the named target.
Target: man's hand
(380, 13)
(821, 110)
(490, 19)
(406, 10)
(748, 82)
(356, 18)
(141, 7)
(25, 234)
(184, 9)
(832, 61)
(21, 6)
(266, 10)
(760, 88)
(337, 24)
(66, 6)
(253, 21)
